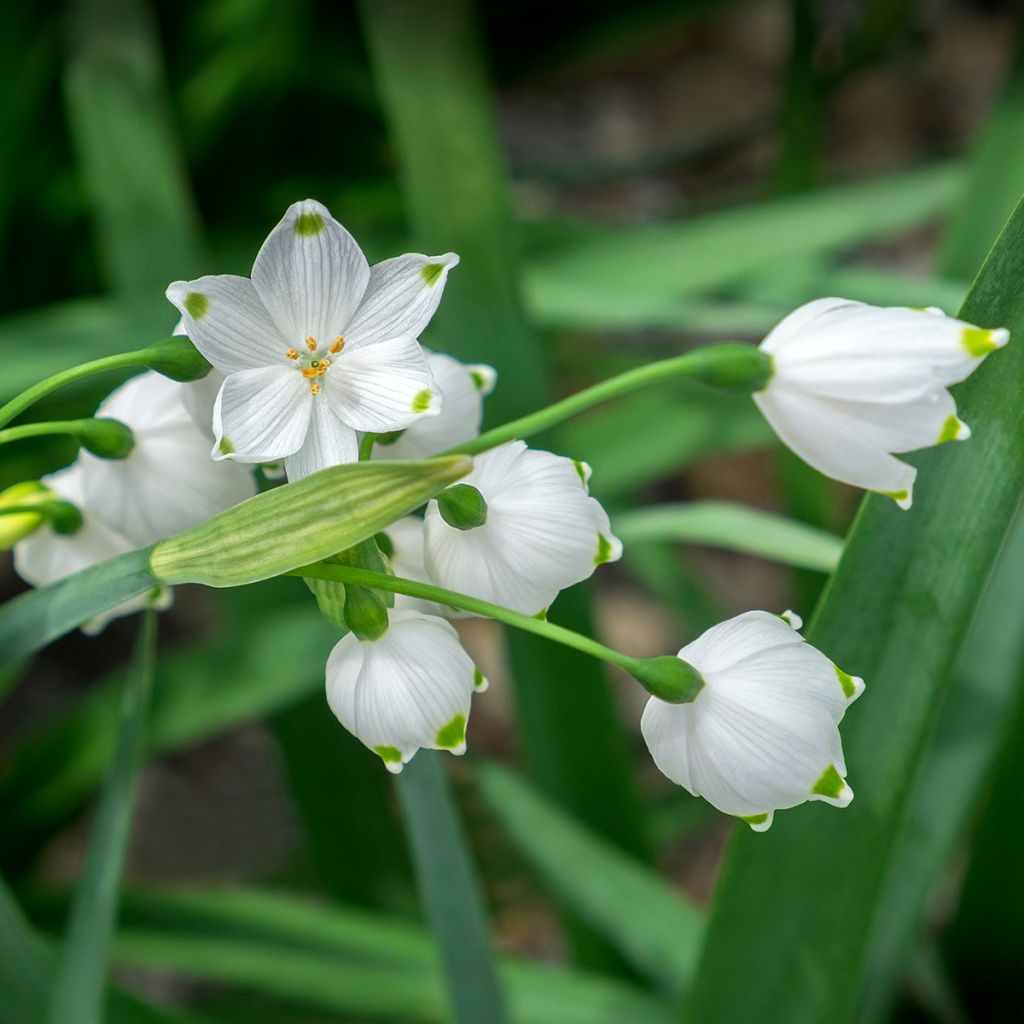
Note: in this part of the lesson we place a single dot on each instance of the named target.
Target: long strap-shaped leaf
(789, 933)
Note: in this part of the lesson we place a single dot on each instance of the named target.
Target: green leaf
(80, 986)
(895, 613)
(648, 922)
(736, 527)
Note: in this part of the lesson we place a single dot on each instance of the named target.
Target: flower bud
(31, 499)
(64, 517)
(176, 358)
(462, 507)
(107, 438)
(302, 522)
(668, 678)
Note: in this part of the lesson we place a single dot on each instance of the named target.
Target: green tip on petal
(758, 822)
(583, 470)
(852, 685)
(196, 305)
(954, 429)
(480, 682)
(978, 341)
(431, 272)
(831, 785)
(421, 401)
(225, 447)
(453, 735)
(391, 756)
(308, 225)
(605, 550)
(902, 498)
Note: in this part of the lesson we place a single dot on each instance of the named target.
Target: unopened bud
(668, 678)
(462, 507)
(64, 517)
(109, 439)
(22, 511)
(176, 358)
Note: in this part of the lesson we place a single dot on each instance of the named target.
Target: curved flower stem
(76, 428)
(175, 357)
(731, 367)
(670, 679)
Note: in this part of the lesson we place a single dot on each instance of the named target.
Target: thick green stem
(104, 437)
(82, 975)
(678, 683)
(731, 367)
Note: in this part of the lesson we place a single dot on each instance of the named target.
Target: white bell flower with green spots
(762, 735)
(411, 688)
(464, 387)
(853, 385)
(533, 529)
(317, 346)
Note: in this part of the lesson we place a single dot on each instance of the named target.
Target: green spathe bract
(301, 522)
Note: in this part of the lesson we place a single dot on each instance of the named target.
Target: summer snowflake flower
(853, 384)
(317, 346)
(409, 689)
(464, 388)
(762, 735)
(408, 561)
(542, 531)
(167, 483)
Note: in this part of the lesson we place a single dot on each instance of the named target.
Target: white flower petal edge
(763, 733)
(407, 690)
(543, 531)
(315, 324)
(855, 384)
(407, 561)
(464, 387)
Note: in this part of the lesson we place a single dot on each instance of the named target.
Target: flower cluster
(318, 362)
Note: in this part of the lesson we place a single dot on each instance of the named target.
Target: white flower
(407, 562)
(543, 531)
(762, 734)
(167, 484)
(316, 346)
(464, 388)
(853, 384)
(409, 689)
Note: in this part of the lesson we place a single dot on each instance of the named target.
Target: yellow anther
(311, 344)
(292, 353)
(309, 373)
(325, 362)
(339, 344)
(314, 388)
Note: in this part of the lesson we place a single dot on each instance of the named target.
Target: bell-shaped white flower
(464, 387)
(762, 735)
(317, 346)
(853, 384)
(543, 532)
(409, 689)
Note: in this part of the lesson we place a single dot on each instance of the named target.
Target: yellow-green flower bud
(22, 511)
(302, 522)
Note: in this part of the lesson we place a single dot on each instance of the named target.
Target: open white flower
(762, 735)
(853, 384)
(409, 689)
(543, 532)
(317, 346)
(464, 387)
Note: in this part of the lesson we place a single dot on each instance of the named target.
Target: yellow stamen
(309, 373)
(339, 344)
(314, 389)
(292, 353)
(325, 362)
(311, 344)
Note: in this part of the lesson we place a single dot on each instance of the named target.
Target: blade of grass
(80, 988)
(895, 613)
(736, 527)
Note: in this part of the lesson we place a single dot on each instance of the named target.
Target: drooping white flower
(543, 531)
(409, 689)
(853, 384)
(464, 387)
(762, 735)
(46, 556)
(317, 346)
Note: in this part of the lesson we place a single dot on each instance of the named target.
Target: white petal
(809, 428)
(262, 415)
(463, 388)
(408, 690)
(382, 387)
(400, 298)
(199, 398)
(543, 532)
(169, 482)
(329, 442)
(407, 561)
(849, 350)
(721, 646)
(311, 275)
(225, 319)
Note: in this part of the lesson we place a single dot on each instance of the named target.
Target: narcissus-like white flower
(463, 387)
(853, 384)
(409, 689)
(762, 735)
(541, 531)
(317, 346)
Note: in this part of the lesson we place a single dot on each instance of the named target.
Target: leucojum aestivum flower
(403, 517)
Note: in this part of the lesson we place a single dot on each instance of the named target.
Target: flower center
(314, 363)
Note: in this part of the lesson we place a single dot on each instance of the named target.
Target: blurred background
(623, 182)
